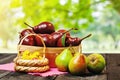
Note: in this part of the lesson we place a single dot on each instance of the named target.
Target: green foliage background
(67, 15)
(99, 17)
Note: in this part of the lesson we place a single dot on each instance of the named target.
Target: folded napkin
(51, 72)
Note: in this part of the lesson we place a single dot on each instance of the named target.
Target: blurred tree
(111, 25)
(116, 5)
(7, 30)
(106, 25)
(63, 13)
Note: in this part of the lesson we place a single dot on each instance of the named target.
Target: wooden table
(112, 71)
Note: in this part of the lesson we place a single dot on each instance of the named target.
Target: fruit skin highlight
(96, 63)
(77, 65)
(62, 60)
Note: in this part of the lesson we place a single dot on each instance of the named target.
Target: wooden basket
(40, 64)
(50, 52)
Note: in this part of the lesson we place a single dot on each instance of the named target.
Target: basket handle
(33, 35)
(80, 48)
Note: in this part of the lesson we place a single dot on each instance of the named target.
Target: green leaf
(15, 3)
(63, 40)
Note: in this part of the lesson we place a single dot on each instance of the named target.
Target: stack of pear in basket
(28, 61)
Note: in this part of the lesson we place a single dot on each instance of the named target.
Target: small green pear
(62, 60)
(77, 65)
(96, 63)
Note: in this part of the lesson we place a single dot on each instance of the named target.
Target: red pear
(47, 38)
(57, 35)
(61, 41)
(28, 41)
(75, 41)
(26, 32)
(72, 41)
(43, 28)
(77, 65)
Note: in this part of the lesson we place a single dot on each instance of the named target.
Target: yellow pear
(77, 64)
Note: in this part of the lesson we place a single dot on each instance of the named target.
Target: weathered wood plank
(24, 76)
(87, 77)
(112, 71)
(3, 73)
(113, 66)
(6, 58)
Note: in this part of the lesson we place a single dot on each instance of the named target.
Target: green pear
(96, 63)
(77, 64)
(62, 60)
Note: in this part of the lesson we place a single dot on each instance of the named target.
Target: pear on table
(62, 60)
(96, 63)
(77, 65)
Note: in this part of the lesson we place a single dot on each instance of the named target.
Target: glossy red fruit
(72, 41)
(43, 28)
(57, 35)
(28, 41)
(38, 41)
(26, 32)
(61, 41)
(75, 41)
(47, 38)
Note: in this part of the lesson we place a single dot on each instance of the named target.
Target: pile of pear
(51, 37)
(78, 63)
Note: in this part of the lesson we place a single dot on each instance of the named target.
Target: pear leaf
(63, 40)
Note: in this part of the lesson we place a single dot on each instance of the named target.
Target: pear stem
(80, 49)
(28, 25)
(85, 37)
(71, 48)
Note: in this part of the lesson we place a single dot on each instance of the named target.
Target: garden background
(99, 17)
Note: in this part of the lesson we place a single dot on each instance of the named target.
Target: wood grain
(112, 71)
